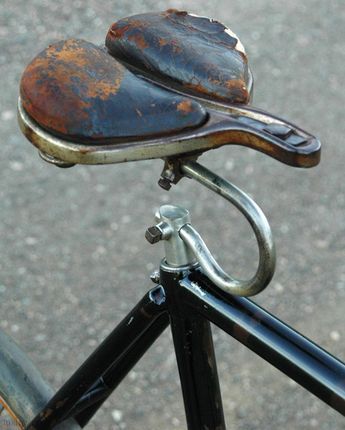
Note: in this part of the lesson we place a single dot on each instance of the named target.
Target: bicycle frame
(188, 300)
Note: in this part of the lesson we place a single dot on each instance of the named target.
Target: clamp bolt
(153, 234)
(164, 183)
(155, 278)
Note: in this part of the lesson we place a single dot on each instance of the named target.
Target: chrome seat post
(170, 220)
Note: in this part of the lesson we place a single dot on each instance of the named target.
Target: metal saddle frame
(152, 94)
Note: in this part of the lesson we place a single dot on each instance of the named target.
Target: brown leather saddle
(165, 84)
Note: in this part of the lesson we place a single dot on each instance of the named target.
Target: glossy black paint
(113, 348)
(191, 301)
(296, 356)
(195, 359)
(114, 375)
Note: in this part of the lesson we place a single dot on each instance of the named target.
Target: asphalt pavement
(73, 258)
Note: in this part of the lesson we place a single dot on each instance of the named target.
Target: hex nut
(153, 234)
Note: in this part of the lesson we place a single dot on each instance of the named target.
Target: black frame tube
(113, 376)
(299, 358)
(191, 301)
(195, 359)
(118, 343)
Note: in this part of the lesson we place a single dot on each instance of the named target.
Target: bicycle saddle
(166, 84)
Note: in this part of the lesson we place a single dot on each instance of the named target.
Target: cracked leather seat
(78, 91)
(166, 84)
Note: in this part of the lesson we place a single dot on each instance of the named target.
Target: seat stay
(226, 125)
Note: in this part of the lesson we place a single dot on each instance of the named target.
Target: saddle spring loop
(258, 222)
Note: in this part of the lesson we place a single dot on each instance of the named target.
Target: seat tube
(196, 360)
(191, 332)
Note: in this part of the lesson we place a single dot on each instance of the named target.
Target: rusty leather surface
(199, 54)
(80, 92)
(76, 89)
